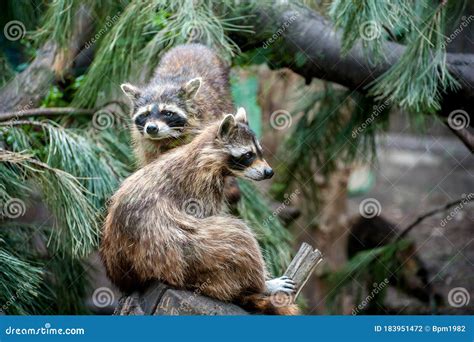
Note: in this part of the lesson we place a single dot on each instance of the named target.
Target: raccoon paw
(283, 284)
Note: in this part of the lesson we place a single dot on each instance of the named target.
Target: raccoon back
(185, 62)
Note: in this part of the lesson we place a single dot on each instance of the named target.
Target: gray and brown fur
(152, 234)
(192, 82)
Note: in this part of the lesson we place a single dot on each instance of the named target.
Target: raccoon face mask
(160, 111)
(245, 158)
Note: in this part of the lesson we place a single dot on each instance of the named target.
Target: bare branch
(5, 116)
(421, 218)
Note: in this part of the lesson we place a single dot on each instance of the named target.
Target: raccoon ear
(241, 116)
(192, 87)
(226, 126)
(131, 91)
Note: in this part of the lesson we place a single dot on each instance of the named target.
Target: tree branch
(26, 89)
(464, 135)
(160, 299)
(5, 116)
(404, 232)
(315, 49)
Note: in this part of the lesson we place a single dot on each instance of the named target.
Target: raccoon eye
(167, 114)
(248, 155)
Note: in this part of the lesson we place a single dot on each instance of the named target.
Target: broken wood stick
(302, 265)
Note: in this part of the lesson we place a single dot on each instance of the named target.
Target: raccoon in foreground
(167, 222)
(189, 89)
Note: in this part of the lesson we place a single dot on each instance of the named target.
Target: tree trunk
(315, 50)
(28, 88)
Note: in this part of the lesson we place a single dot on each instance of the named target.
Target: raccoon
(189, 89)
(167, 222)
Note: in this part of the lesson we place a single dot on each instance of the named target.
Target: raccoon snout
(151, 128)
(268, 173)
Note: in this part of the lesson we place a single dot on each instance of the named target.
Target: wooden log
(160, 299)
(302, 265)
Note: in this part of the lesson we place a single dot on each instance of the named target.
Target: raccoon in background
(150, 234)
(189, 89)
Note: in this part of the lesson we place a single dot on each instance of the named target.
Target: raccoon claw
(282, 284)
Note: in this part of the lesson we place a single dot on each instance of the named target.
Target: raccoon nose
(268, 173)
(151, 128)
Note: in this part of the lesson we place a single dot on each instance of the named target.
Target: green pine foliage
(273, 237)
(416, 82)
(419, 86)
(75, 172)
(373, 266)
(370, 22)
(19, 281)
(144, 30)
(333, 126)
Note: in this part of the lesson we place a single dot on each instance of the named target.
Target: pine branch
(354, 71)
(64, 195)
(59, 111)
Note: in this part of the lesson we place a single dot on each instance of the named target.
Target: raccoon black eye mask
(158, 124)
(241, 162)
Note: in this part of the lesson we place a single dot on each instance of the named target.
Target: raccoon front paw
(283, 284)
